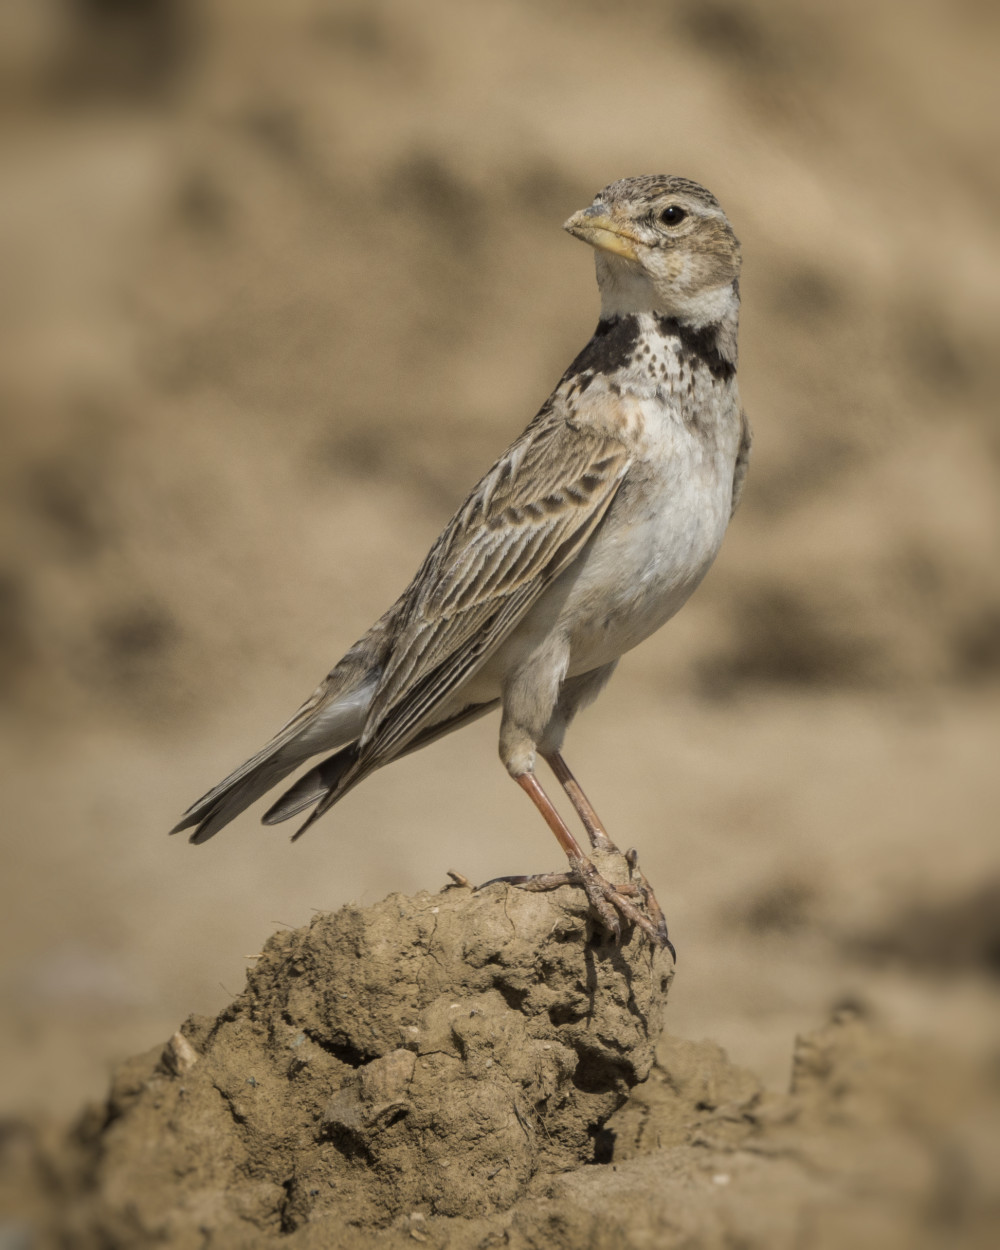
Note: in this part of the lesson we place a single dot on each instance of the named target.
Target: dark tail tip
(321, 785)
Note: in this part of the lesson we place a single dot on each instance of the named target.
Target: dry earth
(456, 1070)
(279, 280)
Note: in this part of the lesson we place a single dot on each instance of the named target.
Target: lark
(589, 533)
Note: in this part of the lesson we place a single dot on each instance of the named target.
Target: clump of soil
(471, 1070)
(432, 1054)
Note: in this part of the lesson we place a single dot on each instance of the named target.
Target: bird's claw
(609, 901)
(607, 898)
(653, 908)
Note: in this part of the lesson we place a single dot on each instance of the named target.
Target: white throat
(627, 288)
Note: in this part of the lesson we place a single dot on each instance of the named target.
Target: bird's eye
(672, 215)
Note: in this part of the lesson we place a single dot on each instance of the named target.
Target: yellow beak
(595, 226)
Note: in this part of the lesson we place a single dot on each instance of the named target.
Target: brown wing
(521, 526)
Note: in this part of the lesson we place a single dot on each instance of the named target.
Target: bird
(587, 535)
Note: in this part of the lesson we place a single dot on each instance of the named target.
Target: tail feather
(313, 729)
(317, 784)
(328, 781)
(321, 723)
(234, 795)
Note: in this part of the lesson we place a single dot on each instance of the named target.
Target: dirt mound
(431, 1053)
(476, 1069)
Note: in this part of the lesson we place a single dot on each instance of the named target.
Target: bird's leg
(530, 784)
(591, 821)
(605, 898)
(600, 840)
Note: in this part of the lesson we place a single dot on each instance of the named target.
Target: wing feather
(520, 527)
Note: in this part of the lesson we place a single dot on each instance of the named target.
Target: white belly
(640, 570)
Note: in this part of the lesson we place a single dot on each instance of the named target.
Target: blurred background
(279, 280)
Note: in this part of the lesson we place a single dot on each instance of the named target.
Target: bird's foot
(607, 899)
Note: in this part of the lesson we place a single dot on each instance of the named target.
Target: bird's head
(663, 245)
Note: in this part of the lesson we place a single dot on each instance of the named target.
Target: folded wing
(523, 524)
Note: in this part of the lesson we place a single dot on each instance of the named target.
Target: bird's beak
(596, 226)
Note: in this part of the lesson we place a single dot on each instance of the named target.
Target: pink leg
(606, 899)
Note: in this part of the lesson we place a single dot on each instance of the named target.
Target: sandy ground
(281, 280)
